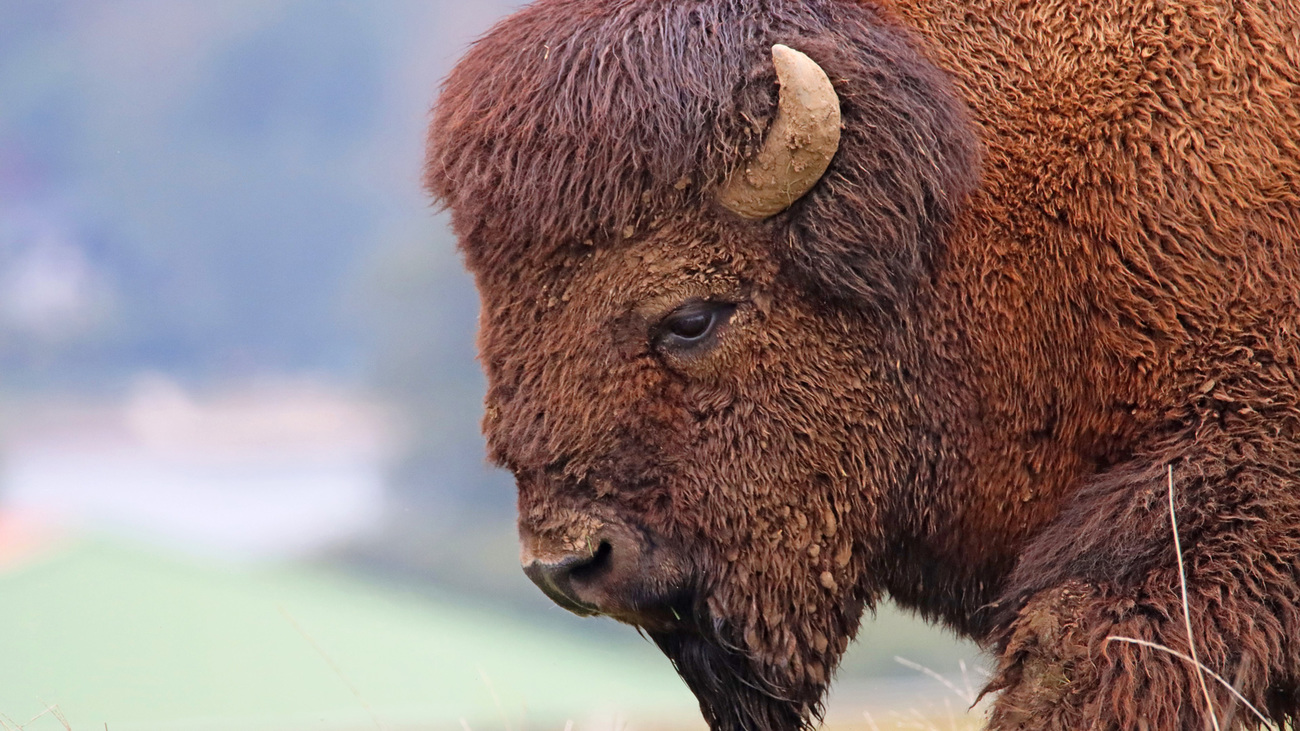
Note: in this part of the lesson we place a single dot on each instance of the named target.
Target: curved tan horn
(799, 146)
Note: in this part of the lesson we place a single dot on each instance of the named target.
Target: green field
(109, 633)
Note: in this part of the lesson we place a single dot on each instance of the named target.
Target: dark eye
(692, 324)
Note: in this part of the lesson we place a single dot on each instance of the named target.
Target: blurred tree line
(219, 191)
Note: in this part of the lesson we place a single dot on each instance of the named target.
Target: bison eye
(692, 324)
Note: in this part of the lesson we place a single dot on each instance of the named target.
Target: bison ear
(872, 226)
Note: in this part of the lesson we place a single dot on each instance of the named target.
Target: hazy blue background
(234, 337)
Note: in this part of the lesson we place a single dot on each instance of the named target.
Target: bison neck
(1009, 435)
(1074, 295)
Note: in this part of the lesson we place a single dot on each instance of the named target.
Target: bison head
(702, 315)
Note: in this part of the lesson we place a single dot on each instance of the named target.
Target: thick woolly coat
(1055, 260)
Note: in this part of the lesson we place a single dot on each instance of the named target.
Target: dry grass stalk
(333, 666)
(1201, 669)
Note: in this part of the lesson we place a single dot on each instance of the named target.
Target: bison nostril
(598, 561)
(556, 578)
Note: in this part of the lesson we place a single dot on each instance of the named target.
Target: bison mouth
(733, 693)
(633, 575)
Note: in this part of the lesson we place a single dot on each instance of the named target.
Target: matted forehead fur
(579, 121)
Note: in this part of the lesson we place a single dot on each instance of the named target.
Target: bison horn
(799, 146)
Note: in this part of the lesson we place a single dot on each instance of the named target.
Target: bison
(790, 306)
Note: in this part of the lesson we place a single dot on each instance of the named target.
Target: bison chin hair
(735, 693)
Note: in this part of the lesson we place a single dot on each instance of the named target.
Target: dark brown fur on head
(576, 120)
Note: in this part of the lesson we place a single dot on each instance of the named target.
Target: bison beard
(733, 696)
(737, 691)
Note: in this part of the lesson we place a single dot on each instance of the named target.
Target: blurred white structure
(48, 289)
(267, 471)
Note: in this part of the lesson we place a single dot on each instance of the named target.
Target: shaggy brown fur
(1057, 252)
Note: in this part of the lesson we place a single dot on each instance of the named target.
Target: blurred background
(241, 478)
